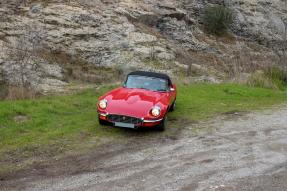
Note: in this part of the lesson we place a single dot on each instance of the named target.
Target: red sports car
(143, 101)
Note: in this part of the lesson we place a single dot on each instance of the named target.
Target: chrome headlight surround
(103, 104)
(155, 111)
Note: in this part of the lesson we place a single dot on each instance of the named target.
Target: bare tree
(283, 53)
(285, 35)
(152, 55)
(22, 54)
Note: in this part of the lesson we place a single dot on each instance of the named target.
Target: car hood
(134, 102)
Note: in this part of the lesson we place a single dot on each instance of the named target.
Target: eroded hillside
(50, 43)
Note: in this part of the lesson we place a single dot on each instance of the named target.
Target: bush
(217, 19)
(277, 75)
(271, 77)
(20, 93)
(259, 79)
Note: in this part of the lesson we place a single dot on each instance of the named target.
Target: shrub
(217, 19)
(259, 79)
(3, 91)
(19, 93)
(277, 75)
(271, 77)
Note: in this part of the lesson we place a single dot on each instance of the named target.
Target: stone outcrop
(127, 34)
(264, 21)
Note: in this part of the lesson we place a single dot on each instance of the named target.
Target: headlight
(155, 111)
(103, 104)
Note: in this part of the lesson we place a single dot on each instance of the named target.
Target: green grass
(203, 101)
(63, 123)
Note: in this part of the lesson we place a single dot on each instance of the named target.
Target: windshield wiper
(161, 90)
(144, 88)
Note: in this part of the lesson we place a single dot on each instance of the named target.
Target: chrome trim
(152, 121)
(145, 121)
(104, 115)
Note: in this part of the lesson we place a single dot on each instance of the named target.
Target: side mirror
(171, 89)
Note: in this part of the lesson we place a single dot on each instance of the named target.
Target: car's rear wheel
(162, 125)
(172, 107)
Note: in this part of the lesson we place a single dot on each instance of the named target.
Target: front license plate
(127, 125)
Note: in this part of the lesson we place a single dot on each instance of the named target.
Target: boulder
(166, 56)
(206, 79)
(52, 71)
(180, 32)
(51, 85)
(36, 8)
(138, 37)
(146, 17)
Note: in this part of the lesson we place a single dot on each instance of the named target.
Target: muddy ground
(231, 153)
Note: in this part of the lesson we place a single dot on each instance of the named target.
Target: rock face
(264, 21)
(38, 74)
(127, 34)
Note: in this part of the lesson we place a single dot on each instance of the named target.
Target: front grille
(124, 119)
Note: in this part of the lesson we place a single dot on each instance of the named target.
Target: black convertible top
(151, 74)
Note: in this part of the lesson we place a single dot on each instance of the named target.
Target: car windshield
(149, 83)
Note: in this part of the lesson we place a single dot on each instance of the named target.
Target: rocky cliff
(49, 43)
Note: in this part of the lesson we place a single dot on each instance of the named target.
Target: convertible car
(143, 101)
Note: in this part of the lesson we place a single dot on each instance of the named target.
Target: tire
(162, 125)
(102, 122)
(172, 107)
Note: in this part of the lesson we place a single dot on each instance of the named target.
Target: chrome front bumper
(145, 121)
(104, 115)
(152, 121)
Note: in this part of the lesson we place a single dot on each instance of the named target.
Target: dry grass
(20, 93)
(259, 79)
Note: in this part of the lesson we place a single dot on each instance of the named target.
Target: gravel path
(236, 152)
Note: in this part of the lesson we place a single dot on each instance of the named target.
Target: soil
(229, 153)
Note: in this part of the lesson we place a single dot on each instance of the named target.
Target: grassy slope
(59, 123)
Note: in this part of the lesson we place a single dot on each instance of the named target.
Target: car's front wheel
(102, 122)
(162, 125)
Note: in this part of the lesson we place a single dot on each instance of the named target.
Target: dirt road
(233, 152)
